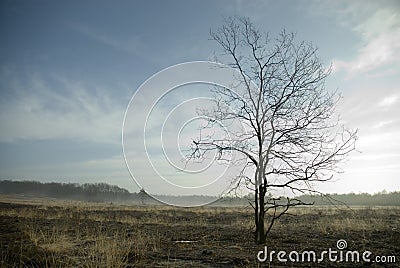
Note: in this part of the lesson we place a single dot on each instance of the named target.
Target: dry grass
(76, 234)
(56, 229)
(115, 251)
(92, 247)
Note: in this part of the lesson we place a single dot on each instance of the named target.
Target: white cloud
(381, 43)
(382, 19)
(378, 52)
(365, 108)
(66, 109)
(379, 30)
(373, 110)
(383, 123)
(388, 101)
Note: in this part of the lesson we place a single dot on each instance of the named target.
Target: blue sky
(69, 68)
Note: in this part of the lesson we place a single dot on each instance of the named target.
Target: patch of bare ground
(73, 234)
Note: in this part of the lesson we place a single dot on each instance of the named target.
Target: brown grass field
(51, 233)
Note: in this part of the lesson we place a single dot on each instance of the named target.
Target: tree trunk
(260, 232)
(256, 214)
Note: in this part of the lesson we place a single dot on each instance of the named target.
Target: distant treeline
(92, 192)
(103, 192)
(361, 199)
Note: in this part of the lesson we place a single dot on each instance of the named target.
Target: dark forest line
(92, 192)
(103, 192)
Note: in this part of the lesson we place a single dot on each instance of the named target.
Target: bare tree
(291, 138)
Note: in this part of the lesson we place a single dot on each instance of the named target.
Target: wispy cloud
(131, 44)
(384, 123)
(367, 106)
(63, 109)
(388, 101)
(379, 30)
(375, 113)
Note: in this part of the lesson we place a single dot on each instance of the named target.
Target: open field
(49, 233)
